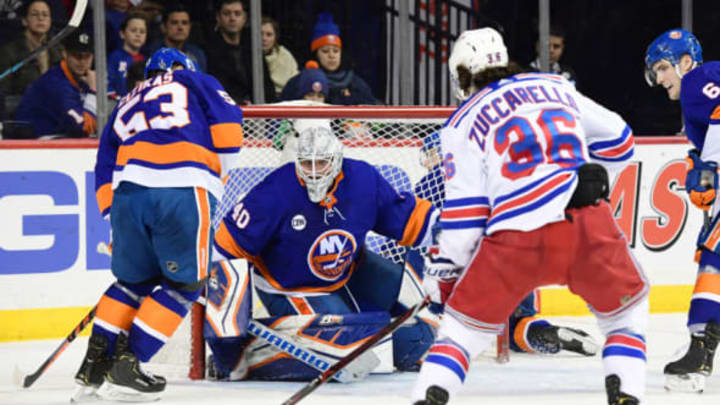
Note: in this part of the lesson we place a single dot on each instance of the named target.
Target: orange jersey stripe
(203, 203)
(301, 305)
(104, 196)
(519, 334)
(715, 114)
(227, 135)
(159, 317)
(115, 313)
(171, 153)
(707, 283)
(712, 241)
(226, 241)
(416, 221)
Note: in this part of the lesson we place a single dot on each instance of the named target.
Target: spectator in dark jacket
(230, 54)
(346, 88)
(37, 19)
(176, 26)
(62, 101)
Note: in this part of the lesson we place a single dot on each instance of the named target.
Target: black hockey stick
(322, 378)
(74, 22)
(29, 379)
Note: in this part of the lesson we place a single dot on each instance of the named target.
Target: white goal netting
(398, 141)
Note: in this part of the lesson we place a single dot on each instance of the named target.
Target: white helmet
(477, 50)
(318, 160)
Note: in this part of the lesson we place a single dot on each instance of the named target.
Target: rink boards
(51, 271)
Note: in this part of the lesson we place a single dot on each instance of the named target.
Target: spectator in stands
(116, 11)
(36, 17)
(230, 54)
(312, 84)
(62, 101)
(133, 32)
(12, 13)
(280, 61)
(557, 46)
(346, 88)
(176, 30)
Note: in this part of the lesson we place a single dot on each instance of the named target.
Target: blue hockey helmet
(164, 59)
(671, 46)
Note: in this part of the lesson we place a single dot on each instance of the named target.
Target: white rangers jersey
(511, 153)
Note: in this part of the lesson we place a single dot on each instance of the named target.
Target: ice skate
(434, 396)
(91, 374)
(689, 372)
(552, 339)
(127, 381)
(615, 396)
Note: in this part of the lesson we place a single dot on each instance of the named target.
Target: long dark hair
(481, 79)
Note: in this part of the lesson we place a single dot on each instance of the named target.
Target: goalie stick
(326, 375)
(354, 372)
(29, 379)
(74, 22)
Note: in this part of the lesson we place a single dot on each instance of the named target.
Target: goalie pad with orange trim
(298, 347)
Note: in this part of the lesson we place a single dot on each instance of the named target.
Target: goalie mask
(671, 46)
(318, 160)
(477, 50)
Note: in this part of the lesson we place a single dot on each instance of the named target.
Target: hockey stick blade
(74, 22)
(31, 378)
(326, 375)
(356, 371)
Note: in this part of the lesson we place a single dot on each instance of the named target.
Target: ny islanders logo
(331, 254)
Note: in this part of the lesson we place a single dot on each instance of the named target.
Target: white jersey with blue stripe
(511, 153)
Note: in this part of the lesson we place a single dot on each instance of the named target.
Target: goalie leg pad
(332, 336)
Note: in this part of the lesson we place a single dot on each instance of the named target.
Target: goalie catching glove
(701, 180)
(439, 280)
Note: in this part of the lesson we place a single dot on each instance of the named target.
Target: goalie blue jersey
(699, 97)
(179, 129)
(301, 246)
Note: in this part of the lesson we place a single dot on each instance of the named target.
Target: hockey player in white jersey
(526, 206)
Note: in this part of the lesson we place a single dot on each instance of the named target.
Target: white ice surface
(525, 380)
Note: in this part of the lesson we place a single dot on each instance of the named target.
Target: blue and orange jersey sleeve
(401, 216)
(224, 117)
(248, 227)
(105, 165)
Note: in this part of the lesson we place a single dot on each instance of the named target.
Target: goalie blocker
(295, 347)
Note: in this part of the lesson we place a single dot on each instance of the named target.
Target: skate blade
(84, 394)
(693, 382)
(577, 343)
(111, 392)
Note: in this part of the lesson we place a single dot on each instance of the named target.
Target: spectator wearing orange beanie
(345, 87)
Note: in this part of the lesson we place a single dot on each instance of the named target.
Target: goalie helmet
(671, 46)
(477, 50)
(164, 59)
(318, 160)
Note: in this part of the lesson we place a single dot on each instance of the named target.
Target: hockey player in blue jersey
(303, 230)
(674, 61)
(528, 333)
(160, 162)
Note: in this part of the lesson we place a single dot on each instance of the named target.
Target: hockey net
(390, 138)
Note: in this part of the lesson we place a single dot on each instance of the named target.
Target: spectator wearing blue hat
(345, 87)
(310, 84)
